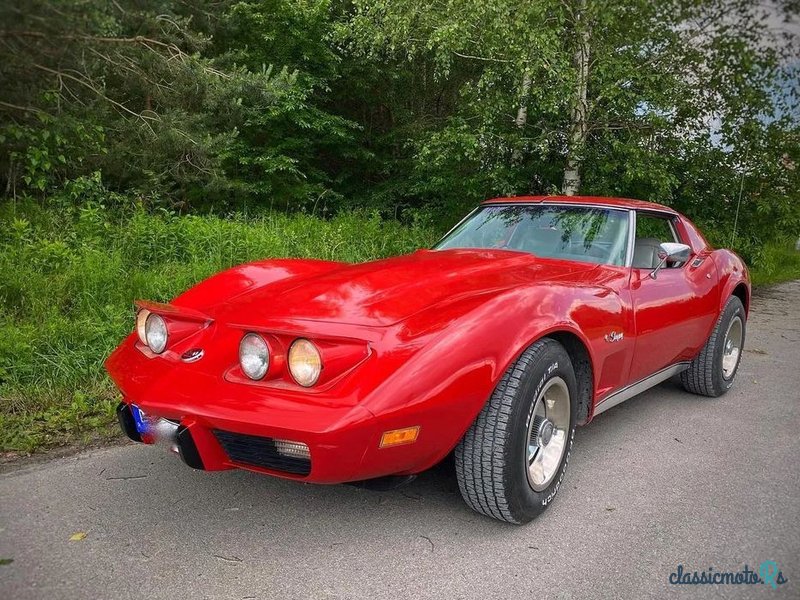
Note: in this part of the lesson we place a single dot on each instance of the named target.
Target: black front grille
(260, 452)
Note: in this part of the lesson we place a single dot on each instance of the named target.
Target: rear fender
(732, 273)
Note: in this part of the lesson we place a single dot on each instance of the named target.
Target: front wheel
(512, 460)
(713, 370)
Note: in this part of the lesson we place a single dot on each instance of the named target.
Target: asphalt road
(664, 479)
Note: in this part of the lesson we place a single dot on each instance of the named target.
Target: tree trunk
(522, 111)
(580, 108)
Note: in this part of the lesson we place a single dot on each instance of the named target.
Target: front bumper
(220, 424)
(178, 437)
(212, 444)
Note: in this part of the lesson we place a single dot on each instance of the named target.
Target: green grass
(777, 262)
(68, 279)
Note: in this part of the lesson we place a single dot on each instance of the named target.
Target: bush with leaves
(199, 104)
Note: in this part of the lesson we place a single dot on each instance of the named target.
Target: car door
(675, 311)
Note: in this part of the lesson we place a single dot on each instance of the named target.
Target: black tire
(705, 375)
(491, 459)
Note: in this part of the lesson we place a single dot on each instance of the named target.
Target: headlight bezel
(259, 339)
(335, 356)
(313, 360)
(141, 321)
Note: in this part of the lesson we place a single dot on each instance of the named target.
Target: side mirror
(670, 251)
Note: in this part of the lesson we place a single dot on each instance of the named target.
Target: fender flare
(230, 283)
(734, 278)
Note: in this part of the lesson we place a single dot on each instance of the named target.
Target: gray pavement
(664, 479)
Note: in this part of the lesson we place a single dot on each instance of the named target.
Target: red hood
(384, 292)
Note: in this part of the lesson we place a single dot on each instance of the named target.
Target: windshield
(589, 234)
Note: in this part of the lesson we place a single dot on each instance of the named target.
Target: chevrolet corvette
(530, 317)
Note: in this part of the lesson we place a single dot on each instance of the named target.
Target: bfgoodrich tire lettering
(491, 463)
(706, 375)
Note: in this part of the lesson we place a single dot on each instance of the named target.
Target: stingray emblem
(614, 336)
(192, 355)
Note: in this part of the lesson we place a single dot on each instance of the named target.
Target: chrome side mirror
(670, 251)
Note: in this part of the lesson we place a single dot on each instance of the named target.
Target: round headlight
(254, 356)
(155, 333)
(305, 362)
(141, 320)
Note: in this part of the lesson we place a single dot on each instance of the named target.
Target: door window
(652, 231)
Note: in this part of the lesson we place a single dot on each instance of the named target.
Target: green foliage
(673, 86)
(43, 152)
(776, 261)
(68, 280)
(192, 104)
(322, 104)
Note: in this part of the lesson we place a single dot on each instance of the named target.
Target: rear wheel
(713, 370)
(512, 460)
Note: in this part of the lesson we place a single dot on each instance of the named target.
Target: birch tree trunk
(522, 110)
(580, 108)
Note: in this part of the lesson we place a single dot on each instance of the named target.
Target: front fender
(229, 284)
(446, 383)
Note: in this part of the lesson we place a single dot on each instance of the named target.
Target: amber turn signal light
(397, 437)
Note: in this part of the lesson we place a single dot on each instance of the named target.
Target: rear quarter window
(655, 227)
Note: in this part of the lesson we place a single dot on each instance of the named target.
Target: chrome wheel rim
(548, 432)
(732, 348)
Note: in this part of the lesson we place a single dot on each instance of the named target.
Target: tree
(580, 107)
(621, 96)
(396, 104)
(203, 103)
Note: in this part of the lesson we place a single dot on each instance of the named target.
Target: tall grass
(69, 275)
(68, 279)
(778, 261)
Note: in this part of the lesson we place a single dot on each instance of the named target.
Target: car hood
(384, 292)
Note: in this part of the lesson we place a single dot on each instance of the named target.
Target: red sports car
(531, 316)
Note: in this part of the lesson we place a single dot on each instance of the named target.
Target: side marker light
(398, 437)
